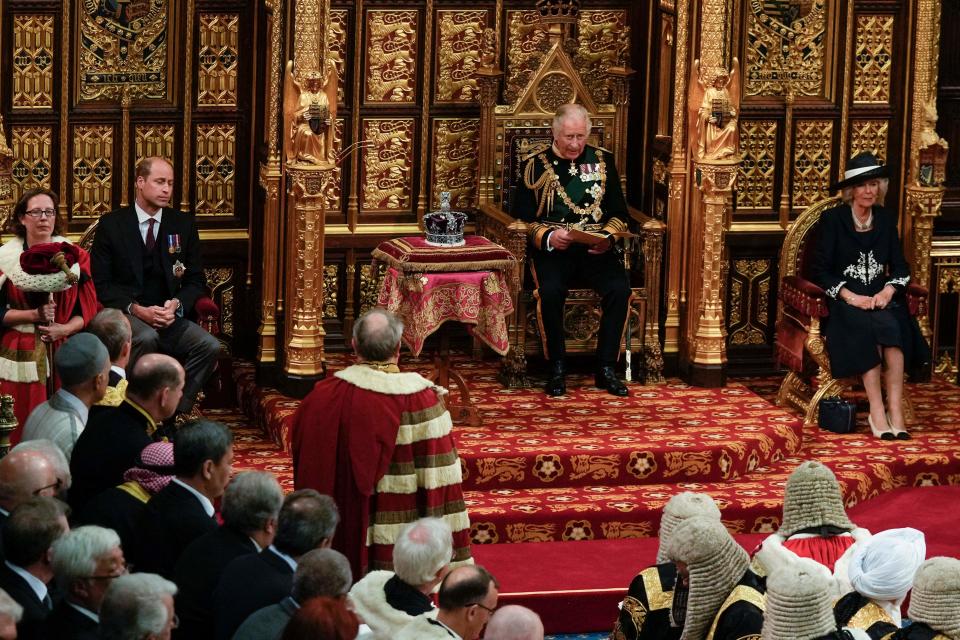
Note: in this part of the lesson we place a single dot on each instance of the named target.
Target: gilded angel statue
(715, 117)
(309, 117)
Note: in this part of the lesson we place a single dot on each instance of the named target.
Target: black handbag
(837, 415)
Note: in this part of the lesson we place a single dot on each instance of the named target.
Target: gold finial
(558, 11)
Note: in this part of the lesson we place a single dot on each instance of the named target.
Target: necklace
(862, 226)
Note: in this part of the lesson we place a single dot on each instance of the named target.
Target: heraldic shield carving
(123, 42)
(785, 46)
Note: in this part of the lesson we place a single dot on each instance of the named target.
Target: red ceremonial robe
(380, 444)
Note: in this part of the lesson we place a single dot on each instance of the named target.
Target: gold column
(6, 176)
(924, 205)
(306, 208)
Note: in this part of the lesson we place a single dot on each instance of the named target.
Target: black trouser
(554, 271)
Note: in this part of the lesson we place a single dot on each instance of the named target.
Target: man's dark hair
(31, 529)
(307, 518)
(149, 377)
(113, 330)
(197, 442)
(321, 573)
(463, 592)
(145, 167)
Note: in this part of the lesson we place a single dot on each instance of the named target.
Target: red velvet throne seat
(802, 308)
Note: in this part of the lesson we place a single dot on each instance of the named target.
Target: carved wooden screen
(89, 88)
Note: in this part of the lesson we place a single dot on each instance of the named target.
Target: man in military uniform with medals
(574, 186)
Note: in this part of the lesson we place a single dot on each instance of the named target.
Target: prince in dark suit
(146, 261)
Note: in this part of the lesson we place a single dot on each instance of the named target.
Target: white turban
(883, 569)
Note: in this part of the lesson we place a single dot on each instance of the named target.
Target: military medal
(179, 269)
(173, 243)
(573, 168)
(589, 172)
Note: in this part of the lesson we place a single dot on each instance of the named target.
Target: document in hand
(591, 238)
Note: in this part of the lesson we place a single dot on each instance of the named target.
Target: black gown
(645, 614)
(864, 263)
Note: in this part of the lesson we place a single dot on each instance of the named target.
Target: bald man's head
(514, 622)
(153, 372)
(24, 474)
(376, 335)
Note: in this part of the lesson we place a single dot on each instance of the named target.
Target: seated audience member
(799, 604)
(710, 564)
(881, 572)
(321, 573)
(389, 600)
(467, 599)
(250, 507)
(10, 614)
(370, 436)
(934, 602)
(120, 508)
(308, 521)
(645, 612)
(85, 561)
(54, 455)
(83, 367)
(514, 622)
(138, 606)
(322, 619)
(815, 525)
(28, 535)
(115, 436)
(183, 510)
(24, 474)
(113, 329)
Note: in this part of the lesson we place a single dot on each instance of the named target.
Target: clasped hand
(877, 301)
(560, 240)
(156, 316)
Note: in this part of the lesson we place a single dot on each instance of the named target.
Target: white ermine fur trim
(370, 603)
(773, 555)
(395, 384)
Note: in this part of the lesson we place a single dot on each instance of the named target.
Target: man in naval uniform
(572, 184)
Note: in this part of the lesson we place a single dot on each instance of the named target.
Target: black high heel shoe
(883, 435)
(900, 433)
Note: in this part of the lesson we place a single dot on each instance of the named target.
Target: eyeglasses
(55, 487)
(42, 213)
(123, 570)
(482, 606)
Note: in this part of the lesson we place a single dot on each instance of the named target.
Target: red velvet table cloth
(419, 287)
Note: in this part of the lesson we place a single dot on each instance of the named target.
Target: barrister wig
(935, 599)
(812, 499)
(715, 563)
(679, 508)
(799, 602)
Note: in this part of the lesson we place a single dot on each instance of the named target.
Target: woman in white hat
(859, 263)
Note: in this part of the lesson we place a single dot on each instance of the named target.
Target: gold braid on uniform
(545, 194)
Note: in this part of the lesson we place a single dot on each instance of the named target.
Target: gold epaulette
(114, 395)
(534, 150)
(604, 149)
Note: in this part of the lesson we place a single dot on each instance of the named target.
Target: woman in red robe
(38, 310)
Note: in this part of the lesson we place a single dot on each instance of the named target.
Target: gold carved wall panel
(32, 159)
(123, 44)
(391, 60)
(758, 148)
(456, 148)
(219, 281)
(155, 140)
(526, 45)
(871, 77)
(331, 280)
(785, 42)
(749, 315)
(33, 56)
(92, 170)
(339, 28)
(216, 169)
(870, 135)
(387, 183)
(335, 183)
(812, 145)
(604, 42)
(458, 53)
(370, 278)
(217, 60)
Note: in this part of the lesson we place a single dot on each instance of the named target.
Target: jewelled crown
(445, 227)
(558, 10)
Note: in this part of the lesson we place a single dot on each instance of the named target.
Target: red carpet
(597, 470)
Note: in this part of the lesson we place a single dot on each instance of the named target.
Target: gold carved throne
(507, 133)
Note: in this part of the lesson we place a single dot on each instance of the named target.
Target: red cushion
(414, 254)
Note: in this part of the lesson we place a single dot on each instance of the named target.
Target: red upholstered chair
(802, 306)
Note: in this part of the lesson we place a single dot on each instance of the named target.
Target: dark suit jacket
(66, 623)
(170, 522)
(116, 258)
(249, 583)
(114, 509)
(32, 625)
(197, 573)
(109, 445)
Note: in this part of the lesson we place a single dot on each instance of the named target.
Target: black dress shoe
(557, 382)
(607, 379)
